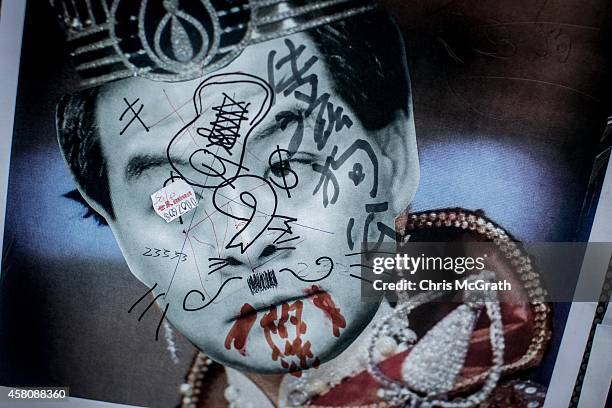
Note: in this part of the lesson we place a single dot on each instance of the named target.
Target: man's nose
(254, 241)
(256, 255)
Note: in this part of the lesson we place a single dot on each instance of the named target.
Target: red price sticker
(174, 200)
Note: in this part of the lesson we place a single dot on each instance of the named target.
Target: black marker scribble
(370, 252)
(201, 173)
(284, 119)
(248, 189)
(203, 298)
(305, 88)
(160, 321)
(140, 299)
(360, 278)
(172, 179)
(275, 256)
(356, 175)
(262, 281)
(349, 233)
(286, 233)
(370, 268)
(216, 264)
(136, 115)
(212, 165)
(318, 262)
(383, 229)
(331, 163)
(225, 129)
(279, 164)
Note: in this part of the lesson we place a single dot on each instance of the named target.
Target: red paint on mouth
(240, 330)
(324, 301)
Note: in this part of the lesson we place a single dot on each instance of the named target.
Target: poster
(191, 187)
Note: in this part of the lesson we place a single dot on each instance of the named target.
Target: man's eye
(283, 168)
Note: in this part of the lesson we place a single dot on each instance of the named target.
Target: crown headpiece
(178, 40)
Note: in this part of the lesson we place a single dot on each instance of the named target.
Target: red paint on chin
(277, 326)
(325, 302)
(240, 330)
(288, 328)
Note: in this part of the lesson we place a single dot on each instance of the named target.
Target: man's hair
(365, 56)
(79, 140)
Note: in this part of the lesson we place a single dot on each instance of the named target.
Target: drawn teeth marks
(262, 281)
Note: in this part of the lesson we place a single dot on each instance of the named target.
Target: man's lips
(259, 306)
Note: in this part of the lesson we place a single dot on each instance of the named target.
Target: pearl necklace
(191, 391)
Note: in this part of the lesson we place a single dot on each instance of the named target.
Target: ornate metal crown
(178, 40)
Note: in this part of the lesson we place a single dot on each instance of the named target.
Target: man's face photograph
(264, 272)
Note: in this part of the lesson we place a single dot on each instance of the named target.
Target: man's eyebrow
(274, 125)
(141, 163)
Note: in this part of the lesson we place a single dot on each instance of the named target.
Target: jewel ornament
(447, 219)
(437, 359)
(431, 369)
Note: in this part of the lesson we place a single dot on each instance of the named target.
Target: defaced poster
(196, 191)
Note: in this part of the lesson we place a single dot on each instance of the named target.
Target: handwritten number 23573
(164, 253)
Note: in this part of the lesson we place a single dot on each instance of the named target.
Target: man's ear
(76, 196)
(91, 205)
(400, 148)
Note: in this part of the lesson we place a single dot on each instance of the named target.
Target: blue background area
(54, 224)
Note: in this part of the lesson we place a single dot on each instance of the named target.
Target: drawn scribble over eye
(281, 170)
(212, 165)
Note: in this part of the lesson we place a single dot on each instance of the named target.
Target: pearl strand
(191, 391)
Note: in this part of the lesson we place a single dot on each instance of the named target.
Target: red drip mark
(269, 326)
(241, 328)
(273, 325)
(323, 301)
